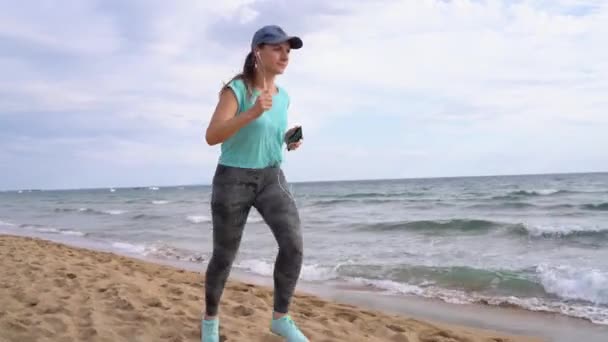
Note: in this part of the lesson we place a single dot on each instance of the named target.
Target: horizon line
(313, 181)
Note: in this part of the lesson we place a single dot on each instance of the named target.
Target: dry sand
(53, 292)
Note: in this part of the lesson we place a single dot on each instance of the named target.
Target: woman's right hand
(262, 103)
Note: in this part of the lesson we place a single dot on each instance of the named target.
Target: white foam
(106, 212)
(158, 250)
(257, 266)
(535, 192)
(60, 231)
(575, 283)
(198, 219)
(114, 212)
(160, 202)
(6, 224)
(595, 314)
(450, 296)
(255, 219)
(309, 272)
(318, 273)
(131, 248)
(547, 191)
(164, 250)
(556, 230)
(51, 230)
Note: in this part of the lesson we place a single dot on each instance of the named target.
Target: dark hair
(247, 74)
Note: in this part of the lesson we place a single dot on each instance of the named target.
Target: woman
(250, 121)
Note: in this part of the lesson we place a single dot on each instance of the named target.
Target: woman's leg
(276, 206)
(232, 198)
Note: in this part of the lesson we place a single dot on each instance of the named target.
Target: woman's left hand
(295, 145)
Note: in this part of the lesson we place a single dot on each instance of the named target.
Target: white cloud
(77, 28)
(513, 59)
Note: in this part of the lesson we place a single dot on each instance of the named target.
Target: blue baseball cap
(273, 34)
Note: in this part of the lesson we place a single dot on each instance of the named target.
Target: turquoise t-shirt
(259, 144)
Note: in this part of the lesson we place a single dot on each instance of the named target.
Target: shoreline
(52, 290)
(503, 319)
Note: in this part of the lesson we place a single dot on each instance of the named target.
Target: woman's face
(275, 57)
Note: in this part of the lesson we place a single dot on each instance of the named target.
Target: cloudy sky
(119, 93)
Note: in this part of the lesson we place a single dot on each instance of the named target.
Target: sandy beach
(54, 292)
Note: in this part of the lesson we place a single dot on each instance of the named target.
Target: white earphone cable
(263, 71)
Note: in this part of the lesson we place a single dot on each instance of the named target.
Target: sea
(535, 242)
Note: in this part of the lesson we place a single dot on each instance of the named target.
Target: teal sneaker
(210, 330)
(287, 328)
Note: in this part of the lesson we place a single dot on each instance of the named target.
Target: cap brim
(294, 42)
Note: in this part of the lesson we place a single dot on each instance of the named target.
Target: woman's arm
(224, 122)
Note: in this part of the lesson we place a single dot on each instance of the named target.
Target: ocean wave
(521, 205)
(504, 205)
(594, 314)
(50, 230)
(464, 285)
(484, 226)
(6, 224)
(91, 211)
(589, 285)
(559, 231)
(146, 217)
(542, 192)
(365, 198)
(158, 202)
(158, 250)
(601, 206)
(198, 219)
(567, 283)
(358, 201)
(434, 225)
(381, 194)
(559, 206)
(255, 219)
(518, 194)
(461, 277)
(129, 247)
(308, 272)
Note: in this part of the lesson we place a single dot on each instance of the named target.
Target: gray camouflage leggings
(235, 191)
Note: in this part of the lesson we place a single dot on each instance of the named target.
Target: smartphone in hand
(294, 135)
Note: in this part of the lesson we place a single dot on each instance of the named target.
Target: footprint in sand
(241, 288)
(317, 303)
(435, 335)
(86, 333)
(400, 338)
(309, 314)
(15, 326)
(243, 311)
(152, 302)
(175, 293)
(122, 304)
(395, 328)
(58, 325)
(350, 317)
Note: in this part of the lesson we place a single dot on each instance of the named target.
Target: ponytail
(247, 74)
